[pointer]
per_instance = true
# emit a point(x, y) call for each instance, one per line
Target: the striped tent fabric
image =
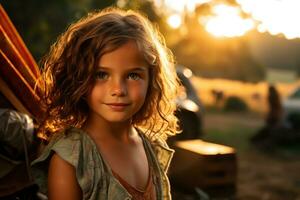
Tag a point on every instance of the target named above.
point(18, 70)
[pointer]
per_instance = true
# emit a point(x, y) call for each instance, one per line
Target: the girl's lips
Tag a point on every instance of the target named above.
point(117, 106)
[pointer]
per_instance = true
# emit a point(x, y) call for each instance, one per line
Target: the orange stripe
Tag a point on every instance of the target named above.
point(12, 33)
point(10, 51)
point(20, 86)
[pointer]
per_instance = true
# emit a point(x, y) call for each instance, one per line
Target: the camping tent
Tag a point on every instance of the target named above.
point(18, 70)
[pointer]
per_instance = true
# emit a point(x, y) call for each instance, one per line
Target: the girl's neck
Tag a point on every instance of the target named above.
point(107, 130)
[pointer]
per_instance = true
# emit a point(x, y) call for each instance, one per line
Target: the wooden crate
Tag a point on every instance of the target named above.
point(208, 166)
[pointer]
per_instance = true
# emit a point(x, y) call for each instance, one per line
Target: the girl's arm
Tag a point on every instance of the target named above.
point(62, 182)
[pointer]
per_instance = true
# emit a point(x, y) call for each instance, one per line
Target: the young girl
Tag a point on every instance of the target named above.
point(110, 88)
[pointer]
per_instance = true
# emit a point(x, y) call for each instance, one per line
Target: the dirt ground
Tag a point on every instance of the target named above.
point(262, 175)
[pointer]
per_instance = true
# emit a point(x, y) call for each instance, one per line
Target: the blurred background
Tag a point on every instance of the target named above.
point(242, 60)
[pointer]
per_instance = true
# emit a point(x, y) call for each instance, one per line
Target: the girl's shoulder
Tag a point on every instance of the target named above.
point(65, 144)
point(70, 144)
point(74, 147)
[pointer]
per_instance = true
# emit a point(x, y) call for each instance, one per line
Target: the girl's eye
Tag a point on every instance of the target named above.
point(134, 76)
point(101, 75)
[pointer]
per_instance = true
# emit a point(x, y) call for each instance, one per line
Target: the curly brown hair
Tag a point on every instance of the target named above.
point(69, 69)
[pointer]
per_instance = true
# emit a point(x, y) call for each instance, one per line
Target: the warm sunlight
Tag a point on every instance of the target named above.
point(227, 22)
point(204, 148)
point(174, 21)
point(273, 16)
point(180, 5)
point(276, 17)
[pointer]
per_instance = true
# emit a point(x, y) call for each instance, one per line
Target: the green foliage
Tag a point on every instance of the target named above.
point(41, 22)
point(234, 103)
point(144, 6)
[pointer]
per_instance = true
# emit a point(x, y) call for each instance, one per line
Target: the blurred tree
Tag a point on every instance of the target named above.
point(40, 22)
point(211, 57)
point(144, 6)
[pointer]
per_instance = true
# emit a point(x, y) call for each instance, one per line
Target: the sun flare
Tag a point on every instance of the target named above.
point(275, 17)
point(227, 22)
point(272, 16)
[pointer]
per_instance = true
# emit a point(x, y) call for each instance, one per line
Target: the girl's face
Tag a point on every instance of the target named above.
point(121, 85)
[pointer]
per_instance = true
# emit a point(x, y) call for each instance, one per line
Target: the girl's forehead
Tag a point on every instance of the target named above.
point(127, 54)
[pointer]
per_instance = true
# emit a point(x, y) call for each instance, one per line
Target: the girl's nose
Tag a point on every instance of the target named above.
point(119, 88)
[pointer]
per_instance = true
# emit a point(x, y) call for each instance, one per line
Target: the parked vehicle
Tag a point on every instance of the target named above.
point(291, 106)
point(190, 109)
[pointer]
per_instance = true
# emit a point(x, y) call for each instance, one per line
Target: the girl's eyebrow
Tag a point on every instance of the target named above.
point(141, 68)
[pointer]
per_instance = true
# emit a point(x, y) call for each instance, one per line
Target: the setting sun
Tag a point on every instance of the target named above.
point(227, 22)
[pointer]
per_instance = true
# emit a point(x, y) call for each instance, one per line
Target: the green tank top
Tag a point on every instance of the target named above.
point(94, 176)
